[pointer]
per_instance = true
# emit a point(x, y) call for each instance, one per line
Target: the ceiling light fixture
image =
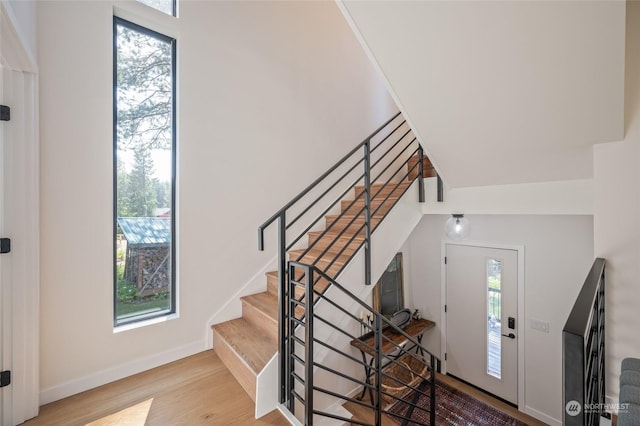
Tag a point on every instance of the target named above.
point(457, 227)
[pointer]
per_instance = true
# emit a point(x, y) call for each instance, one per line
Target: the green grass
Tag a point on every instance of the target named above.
point(142, 306)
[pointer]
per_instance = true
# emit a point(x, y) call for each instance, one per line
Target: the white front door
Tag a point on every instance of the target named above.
point(481, 318)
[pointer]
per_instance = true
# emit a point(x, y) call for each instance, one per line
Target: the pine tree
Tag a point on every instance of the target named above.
point(142, 200)
point(144, 92)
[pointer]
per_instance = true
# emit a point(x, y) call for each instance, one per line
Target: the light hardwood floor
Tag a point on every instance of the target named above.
point(198, 390)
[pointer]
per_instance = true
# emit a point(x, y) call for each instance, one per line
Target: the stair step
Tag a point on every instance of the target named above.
point(377, 209)
point(321, 262)
point(272, 282)
point(261, 310)
point(337, 223)
point(427, 168)
point(357, 205)
point(244, 349)
point(272, 285)
point(380, 189)
point(334, 236)
point(336, 242)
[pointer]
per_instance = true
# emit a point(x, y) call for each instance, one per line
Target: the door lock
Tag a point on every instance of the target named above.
point(510, 335)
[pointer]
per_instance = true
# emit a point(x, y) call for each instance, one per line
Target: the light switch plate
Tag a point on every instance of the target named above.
point(539, 325)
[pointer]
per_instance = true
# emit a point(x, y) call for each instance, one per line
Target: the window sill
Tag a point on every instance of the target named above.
point(144, 323)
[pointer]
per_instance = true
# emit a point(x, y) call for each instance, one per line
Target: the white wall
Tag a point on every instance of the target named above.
point(558, 256)
point(617, 208)
point(561, 197)
point(502, 92)
point(270, 95)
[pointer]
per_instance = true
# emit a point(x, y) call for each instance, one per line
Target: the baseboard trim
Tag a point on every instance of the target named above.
point(542, 416)
point(121, 371)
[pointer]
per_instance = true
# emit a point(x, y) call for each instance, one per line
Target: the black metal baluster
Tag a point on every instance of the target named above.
point(289, 363)
point(367, 212)
point(440, 190)
point(282, 304)
point(378, 369)
point(308, 356)
point(432, 414)
point(420, 174)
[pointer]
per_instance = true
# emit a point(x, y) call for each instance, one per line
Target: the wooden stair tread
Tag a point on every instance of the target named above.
point(333, 235)
point(379, 189)
point(331, 271)
point(265, 302)
point(376, 209)
point(338, 223)
point(330, 264)
point(359, 218)
point(252, 345)
point(375, 202)
point(347, 246)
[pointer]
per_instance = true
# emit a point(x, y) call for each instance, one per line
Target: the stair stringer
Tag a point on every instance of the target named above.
point(267, 388)
point(387, 239)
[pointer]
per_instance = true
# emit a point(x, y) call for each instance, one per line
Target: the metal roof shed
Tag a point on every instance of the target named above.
point(146, 231)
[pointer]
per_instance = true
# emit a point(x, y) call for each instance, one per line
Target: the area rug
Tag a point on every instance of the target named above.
point(453, 408)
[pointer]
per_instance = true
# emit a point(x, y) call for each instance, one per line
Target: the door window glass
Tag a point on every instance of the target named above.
point(494, 318)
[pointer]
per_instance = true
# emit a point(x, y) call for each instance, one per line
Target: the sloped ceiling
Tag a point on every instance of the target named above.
point(502, 92)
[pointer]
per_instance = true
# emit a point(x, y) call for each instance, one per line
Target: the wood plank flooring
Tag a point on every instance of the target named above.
point(198, 390)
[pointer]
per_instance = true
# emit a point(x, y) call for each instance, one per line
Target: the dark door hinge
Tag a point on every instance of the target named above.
point(445, 356)
point(445, 309)
point(5, 245)
point(445, 260)
point(5, 378)
point(5, 113)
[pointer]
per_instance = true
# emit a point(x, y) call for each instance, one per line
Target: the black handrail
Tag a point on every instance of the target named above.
point(390, 136)
point(377, 368)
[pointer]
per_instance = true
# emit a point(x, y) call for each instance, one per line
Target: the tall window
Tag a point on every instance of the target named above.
point(144, 173)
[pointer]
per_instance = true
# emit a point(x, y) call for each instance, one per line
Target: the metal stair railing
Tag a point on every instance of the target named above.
point(381, 159)
point(583, 352)
point(312, 375)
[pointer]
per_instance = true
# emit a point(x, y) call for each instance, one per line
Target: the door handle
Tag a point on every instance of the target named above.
point(510, 335)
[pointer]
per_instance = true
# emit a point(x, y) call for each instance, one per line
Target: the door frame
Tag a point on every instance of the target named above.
point(519, 248)
point(21, 301)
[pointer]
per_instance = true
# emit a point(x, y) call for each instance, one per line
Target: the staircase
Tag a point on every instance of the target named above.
point(325, 232)
point(246, 344)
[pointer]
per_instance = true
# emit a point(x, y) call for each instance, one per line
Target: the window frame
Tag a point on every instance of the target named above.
point(174, 7)
point(173, 244)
